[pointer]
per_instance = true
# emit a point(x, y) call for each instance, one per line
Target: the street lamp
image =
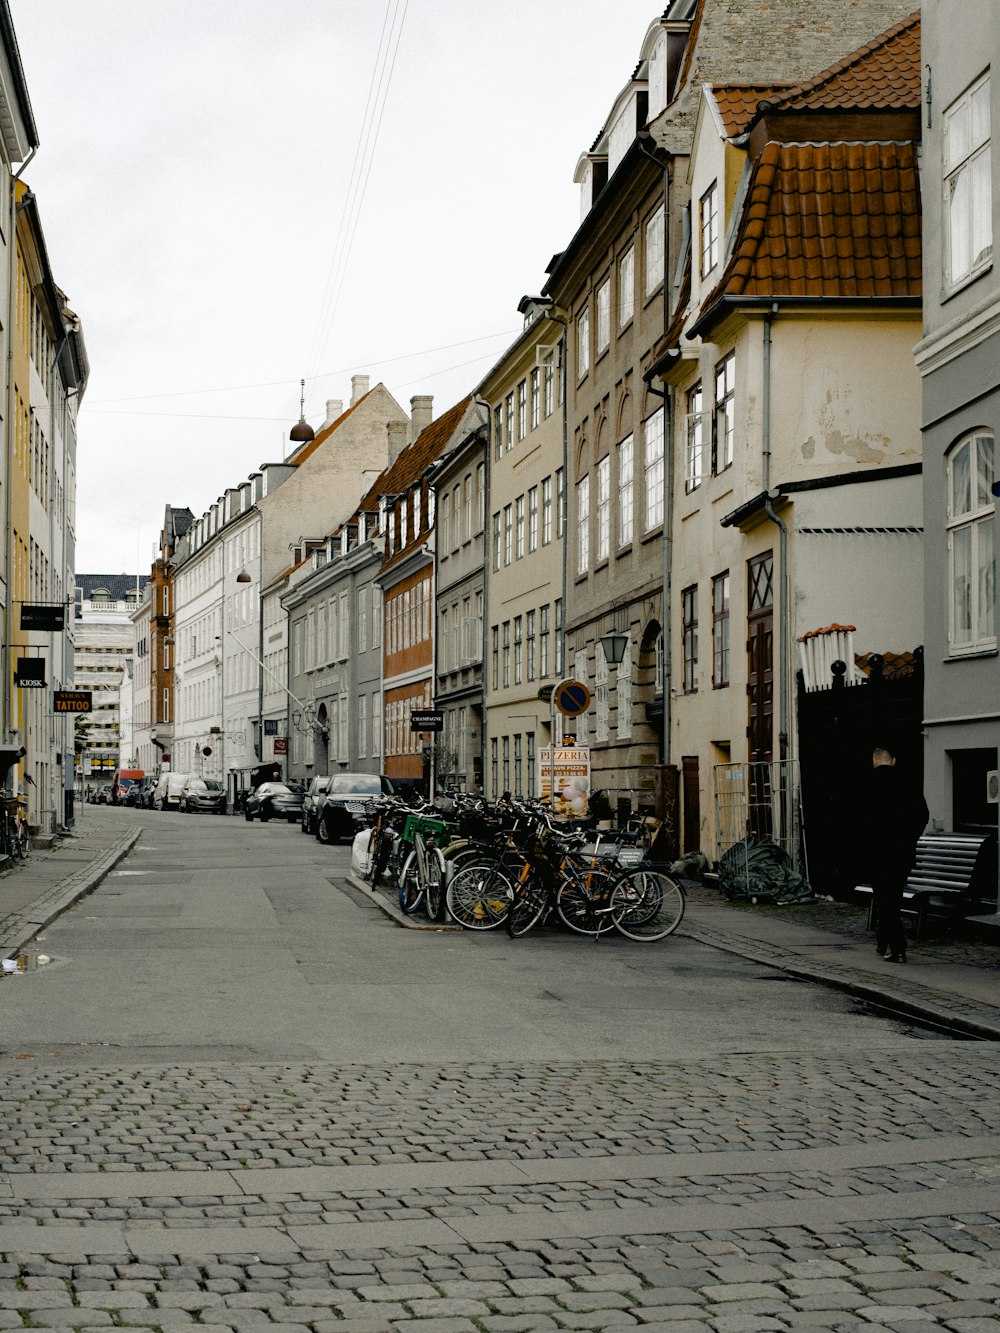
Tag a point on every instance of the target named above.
point(613, 646)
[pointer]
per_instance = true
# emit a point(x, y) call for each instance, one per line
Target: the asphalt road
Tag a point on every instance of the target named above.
point(219, 939)
point(239, 1095)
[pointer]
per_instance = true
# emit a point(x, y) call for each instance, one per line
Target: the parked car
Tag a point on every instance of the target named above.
point(202, 794)
point(345, 802)
point(144, 796)
point(312, 800)
point(167, 795)
point(274, 800)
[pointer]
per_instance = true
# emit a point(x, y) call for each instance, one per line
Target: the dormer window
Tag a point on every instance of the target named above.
point(708, 214)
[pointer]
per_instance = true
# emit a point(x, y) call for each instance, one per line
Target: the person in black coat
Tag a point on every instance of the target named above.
point(895, 816)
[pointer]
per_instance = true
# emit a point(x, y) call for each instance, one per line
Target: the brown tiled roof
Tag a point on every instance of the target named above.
point(416, 458)
point(882, 75)
point(828, 220)
point(737, 103)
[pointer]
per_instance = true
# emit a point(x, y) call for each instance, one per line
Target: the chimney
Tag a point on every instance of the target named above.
point(421, 413)
point(334, 409)
point(397, 439)
point(359, 387)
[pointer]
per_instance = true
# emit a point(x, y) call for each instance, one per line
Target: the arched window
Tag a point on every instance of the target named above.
point(972, 544)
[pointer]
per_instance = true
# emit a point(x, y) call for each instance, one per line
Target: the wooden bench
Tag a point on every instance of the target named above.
point(946, 876)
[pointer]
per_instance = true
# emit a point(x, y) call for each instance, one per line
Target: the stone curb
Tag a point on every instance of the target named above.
point(44, 910)
point(963, 1017)
point(389, 908)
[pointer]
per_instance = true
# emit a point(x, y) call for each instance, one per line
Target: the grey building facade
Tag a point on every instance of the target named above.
point(959, 361)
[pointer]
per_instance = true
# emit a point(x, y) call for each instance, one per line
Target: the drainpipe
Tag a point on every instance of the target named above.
point(667, 541)
point(487, 474)
point(784, 619)
point(11, 430)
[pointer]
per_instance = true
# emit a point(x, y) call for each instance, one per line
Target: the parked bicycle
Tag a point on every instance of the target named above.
point(14, 826)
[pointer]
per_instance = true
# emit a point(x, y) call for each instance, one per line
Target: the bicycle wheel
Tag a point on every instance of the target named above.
point(411, 891)
point(479, 896)
point(583, 901)
point(21, 840)
point(646, 904)
point(529, 904)
point(434, 891)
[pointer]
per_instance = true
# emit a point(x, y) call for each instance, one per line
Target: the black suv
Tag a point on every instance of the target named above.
point(345, 801)
point(312, 801)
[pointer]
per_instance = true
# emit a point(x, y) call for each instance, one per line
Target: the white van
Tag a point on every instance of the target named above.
point(167, 794)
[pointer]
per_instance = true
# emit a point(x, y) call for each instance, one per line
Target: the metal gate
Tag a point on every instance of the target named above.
point(757, 805)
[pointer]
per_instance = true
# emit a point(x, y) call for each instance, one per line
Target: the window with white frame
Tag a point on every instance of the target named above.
point(518, 649)
point(694, 452)
point(583, 525)
point(720, 631)
point(626, 499)
point(604, 316)
point(529, 645)
point(549, 383)
point(654, 251)
point(652, 429)
point(508, 534)
point(624, 683)
point(376, 725)
point(708, 216)
point(467, 505)
point(480, 496)
point(506, 654)
point(519, 528)
point(509, 423)
point(543, 642)
point(626, 287)
point(603, 509)
point(560, 503)
point(497, 432)
point(456, 517)
point(559, 636)
point(362, 619)
point(968, 183)
point(362, 726)
point(546, 511)
point(689, 638)
point(583, 343)
point(376, 616)
point(496, 542)
point(536, 398)
point(725, 412)
point(522, 409)
point(533, 519)
point(972, 544)
point(600, 695)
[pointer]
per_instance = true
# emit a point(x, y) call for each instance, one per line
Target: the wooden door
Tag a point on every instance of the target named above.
point(692, 803)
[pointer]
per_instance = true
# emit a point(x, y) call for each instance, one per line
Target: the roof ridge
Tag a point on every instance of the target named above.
point(845, 63)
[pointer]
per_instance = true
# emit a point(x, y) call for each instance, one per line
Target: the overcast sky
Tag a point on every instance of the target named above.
point(194, 184)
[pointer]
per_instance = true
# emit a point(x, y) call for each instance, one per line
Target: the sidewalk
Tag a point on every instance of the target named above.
point(948, 979)
point(34, 892)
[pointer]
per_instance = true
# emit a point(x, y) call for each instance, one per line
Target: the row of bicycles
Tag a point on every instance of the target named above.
point(509, 865)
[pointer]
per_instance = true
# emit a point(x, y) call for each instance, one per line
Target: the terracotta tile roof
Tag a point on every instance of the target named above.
point(828, 220)
point(737, 103)
point(416, 458)
point(882, 75)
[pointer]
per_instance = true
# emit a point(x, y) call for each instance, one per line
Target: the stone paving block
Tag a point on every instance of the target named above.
point(539, 1286)
point(608, 1281)
point(597, 1319)
point(405, 1325)
point(891, 1315)
point(444, 1308)
point(594, 1300)
point(67, 1316)
point(112, 1300)
point(518, 1324)
point(740, 1291)
point(399, 1291)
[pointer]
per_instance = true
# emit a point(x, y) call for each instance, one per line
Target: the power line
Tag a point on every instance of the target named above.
point(326, 374)
point(364, 155)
